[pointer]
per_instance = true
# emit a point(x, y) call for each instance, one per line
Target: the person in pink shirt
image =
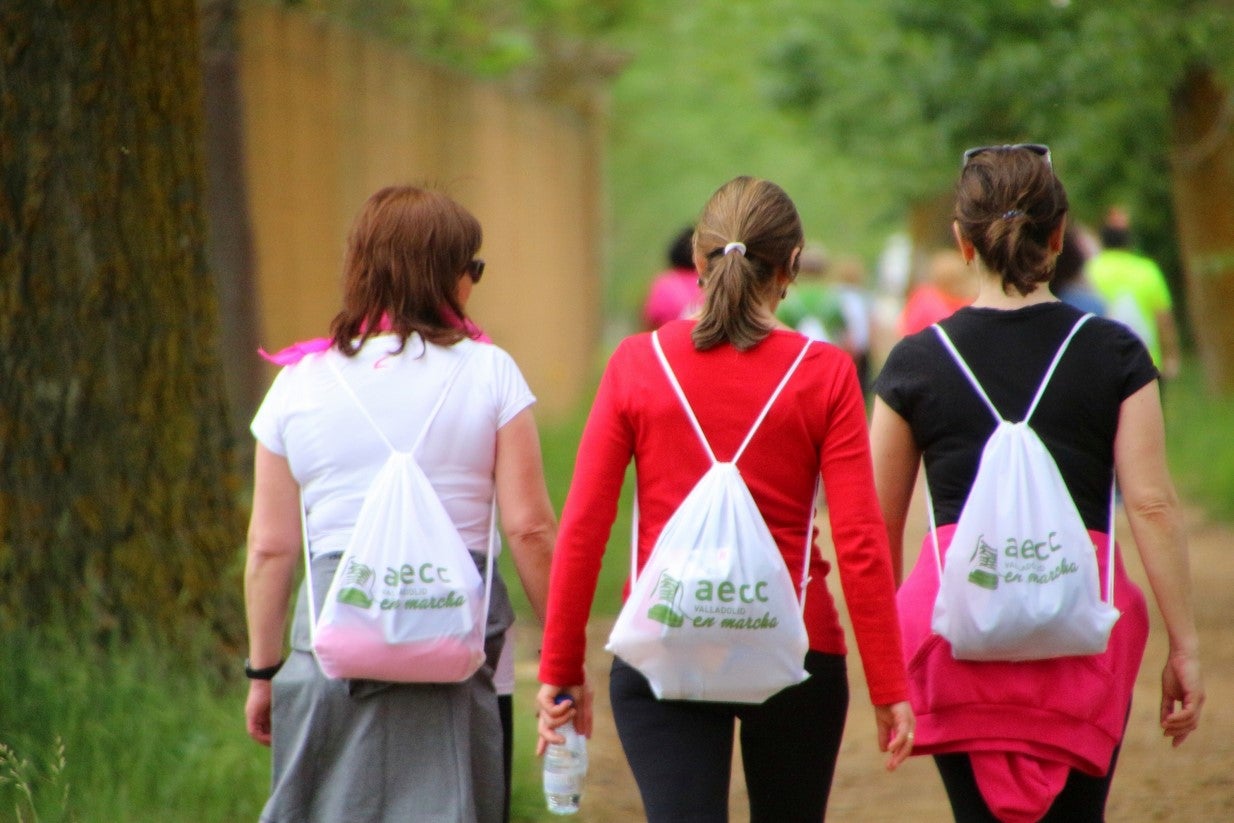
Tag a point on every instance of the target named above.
point(949, 286)
point(728, 362)
point(1032, 740)
point(675, 292)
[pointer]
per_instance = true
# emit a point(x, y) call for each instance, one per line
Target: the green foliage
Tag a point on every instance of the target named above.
point(487, 37)
point(913, 84)
point(1201, 451)
point(694, 108)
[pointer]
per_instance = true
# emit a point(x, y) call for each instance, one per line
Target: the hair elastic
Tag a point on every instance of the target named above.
point(1007, 215)
point(740, 248)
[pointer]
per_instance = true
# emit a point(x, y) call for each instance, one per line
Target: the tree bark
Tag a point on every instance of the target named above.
point(230, 245)
point(117, 488)
point(1203, 181)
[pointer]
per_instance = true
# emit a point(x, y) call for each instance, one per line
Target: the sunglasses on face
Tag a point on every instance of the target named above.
point(1039, 149)
point(475, 270)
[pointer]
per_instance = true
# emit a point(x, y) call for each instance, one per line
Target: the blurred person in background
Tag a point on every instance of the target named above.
point(812, 305)
point(949, 285)
point(1070, 283)
point(857, 307)
point(675, 292)
point(1135, 292)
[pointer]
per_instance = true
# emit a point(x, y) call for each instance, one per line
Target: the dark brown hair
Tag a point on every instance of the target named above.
point(1008, 202)
point(404, 256)
point(760, 215)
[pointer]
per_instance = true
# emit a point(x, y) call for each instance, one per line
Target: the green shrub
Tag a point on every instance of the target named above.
point(1200, 448)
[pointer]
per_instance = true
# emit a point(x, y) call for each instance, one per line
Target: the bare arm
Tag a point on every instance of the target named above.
point(527, 515)
point(1156, 519)
point(896, 460)
point(274, 544)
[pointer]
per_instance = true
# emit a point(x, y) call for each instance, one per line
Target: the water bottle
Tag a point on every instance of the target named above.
point(565, 766)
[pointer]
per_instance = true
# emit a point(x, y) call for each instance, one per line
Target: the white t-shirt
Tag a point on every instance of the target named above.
point(334, 453)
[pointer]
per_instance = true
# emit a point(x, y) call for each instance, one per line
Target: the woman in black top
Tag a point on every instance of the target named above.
point(1037, 740)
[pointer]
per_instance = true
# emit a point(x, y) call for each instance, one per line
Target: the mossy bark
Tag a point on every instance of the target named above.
point(1202, 110)
point(118, 485)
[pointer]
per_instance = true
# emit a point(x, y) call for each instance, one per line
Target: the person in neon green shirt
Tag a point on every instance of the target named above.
point(812, 305)
point(1135, 292)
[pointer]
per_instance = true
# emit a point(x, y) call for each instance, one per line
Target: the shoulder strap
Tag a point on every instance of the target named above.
point(972, 378)
point(805, 571)
point(685, 404)
point(492, 528)
point(432, 415)
point(1109, 587)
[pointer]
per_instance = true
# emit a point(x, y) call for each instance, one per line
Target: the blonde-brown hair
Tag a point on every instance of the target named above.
point(404, 256)
point(762, 217)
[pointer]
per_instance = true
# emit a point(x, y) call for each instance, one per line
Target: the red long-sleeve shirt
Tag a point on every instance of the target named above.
point(817, 424)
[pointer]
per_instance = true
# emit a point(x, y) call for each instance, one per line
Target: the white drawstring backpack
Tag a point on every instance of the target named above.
point(714, 615)
point(407, 604)
point(1021, 580)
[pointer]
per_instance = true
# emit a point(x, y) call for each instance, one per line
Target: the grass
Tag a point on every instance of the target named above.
point(121, 732)
point(1200, 449)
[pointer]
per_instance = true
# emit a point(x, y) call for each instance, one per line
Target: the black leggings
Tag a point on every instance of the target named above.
point(505, 708)
point(681, 751)
point(1082, 799)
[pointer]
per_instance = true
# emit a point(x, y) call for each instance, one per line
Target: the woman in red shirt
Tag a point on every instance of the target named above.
point(728, 363)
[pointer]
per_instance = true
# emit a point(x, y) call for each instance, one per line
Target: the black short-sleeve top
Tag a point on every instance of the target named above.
point(1009, 352)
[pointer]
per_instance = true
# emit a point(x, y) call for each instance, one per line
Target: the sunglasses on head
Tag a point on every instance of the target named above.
point(475, 270)
point(1039, 149)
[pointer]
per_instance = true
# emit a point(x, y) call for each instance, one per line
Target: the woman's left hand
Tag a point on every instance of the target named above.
point(257, 711)
point(895, 732)
point(1182, 696)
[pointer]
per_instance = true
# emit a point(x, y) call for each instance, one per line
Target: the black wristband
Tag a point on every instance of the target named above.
point(267, 673)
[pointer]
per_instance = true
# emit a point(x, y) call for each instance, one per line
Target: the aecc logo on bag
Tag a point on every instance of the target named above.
point(710, 600)
point(405, 587)
point(1026, 563)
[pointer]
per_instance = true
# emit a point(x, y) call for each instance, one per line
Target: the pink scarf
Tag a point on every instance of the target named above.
point(297, 351)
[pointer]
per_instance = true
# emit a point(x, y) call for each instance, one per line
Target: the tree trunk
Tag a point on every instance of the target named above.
point(117, 489)
point(230, 236)
point(1203, 182)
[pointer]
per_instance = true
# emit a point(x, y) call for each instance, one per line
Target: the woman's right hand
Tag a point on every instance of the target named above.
point(1182, 696)
point(896, 726)
point(551, 714)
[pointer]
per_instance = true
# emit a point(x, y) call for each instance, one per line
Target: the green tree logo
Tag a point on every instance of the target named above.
point(985, 565)
point(356, 584)
point(667, 610)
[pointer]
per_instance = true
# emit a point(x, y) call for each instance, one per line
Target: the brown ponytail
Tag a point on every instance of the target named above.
point(760, 216)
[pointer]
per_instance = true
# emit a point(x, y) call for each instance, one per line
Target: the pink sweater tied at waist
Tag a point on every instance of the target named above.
point(1024, 724)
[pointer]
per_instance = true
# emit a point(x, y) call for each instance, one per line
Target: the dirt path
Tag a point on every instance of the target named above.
point(1191, 784)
